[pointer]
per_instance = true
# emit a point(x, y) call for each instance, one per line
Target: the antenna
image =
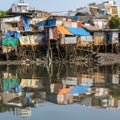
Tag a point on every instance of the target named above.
point(22, 1)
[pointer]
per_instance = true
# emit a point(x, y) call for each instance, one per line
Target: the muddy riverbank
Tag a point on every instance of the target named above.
point(108, 58)
point(101, 58)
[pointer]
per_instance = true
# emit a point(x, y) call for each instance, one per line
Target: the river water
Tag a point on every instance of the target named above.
point(60, 91)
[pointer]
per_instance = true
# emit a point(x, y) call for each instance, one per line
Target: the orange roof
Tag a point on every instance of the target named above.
point(63, 30)
point(65, 90)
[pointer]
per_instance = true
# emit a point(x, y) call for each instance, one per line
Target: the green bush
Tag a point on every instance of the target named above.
point(115, 22)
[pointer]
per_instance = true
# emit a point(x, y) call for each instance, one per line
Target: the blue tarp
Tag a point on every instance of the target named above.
point(42, 23)
point(8, 34)
point(18, 88)
point(74, 17)
point(27, 98)
point(26, 23)
point(51, 22)
point(78, 31)
point(79, 89)
point(10, 39)
point(14, 35)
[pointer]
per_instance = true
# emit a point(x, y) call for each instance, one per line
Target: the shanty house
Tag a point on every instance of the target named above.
point(113, 36)
point(99, 36)
point(15, 23)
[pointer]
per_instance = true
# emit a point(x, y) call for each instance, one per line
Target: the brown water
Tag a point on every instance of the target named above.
point(43, 92)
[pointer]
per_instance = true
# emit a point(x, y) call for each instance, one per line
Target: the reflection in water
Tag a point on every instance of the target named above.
point(23, 87)
point(24, 112)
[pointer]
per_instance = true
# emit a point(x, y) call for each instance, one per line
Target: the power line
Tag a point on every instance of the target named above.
point(58, 11)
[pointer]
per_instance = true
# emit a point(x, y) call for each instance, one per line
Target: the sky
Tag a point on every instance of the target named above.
point(50, 111)
point(55, 6)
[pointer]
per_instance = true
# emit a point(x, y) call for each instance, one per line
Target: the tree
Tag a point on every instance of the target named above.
point(3, 13)
point(114, 22)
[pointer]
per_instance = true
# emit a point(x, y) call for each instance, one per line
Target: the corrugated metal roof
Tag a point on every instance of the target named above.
point(100, 6)
point(79, 31)
point(63, 30)
point(79, 89)
point(91, 28)
point(65, 90)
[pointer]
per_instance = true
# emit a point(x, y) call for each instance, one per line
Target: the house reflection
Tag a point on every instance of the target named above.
point(21, 94)
point(108, 102)
point(85, 89)
point(24, 112)
point(86, 96)
point(25, 87)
